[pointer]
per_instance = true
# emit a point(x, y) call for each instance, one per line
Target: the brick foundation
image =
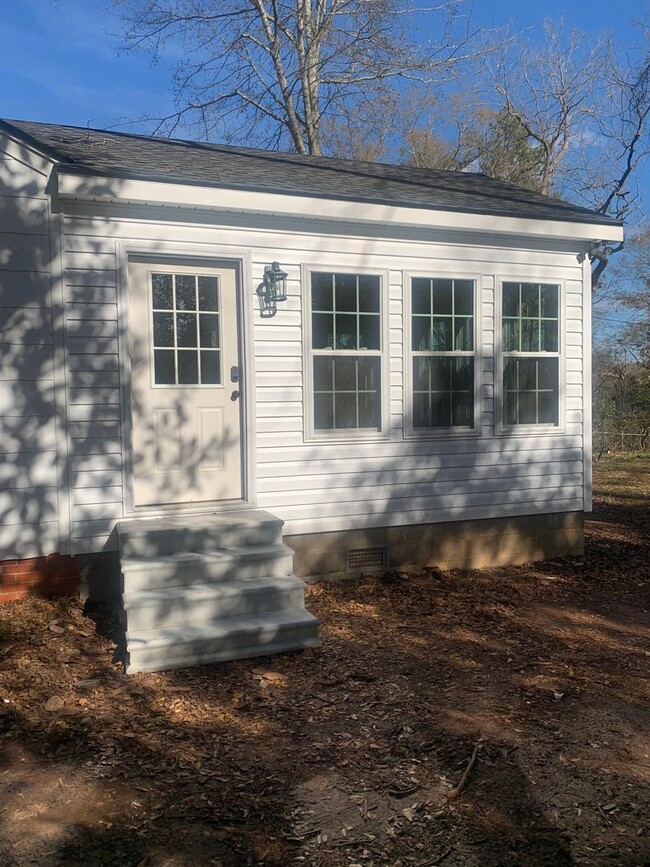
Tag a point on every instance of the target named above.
point(54, 575)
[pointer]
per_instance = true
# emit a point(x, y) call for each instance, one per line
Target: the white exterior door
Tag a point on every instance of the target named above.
point(185, 392)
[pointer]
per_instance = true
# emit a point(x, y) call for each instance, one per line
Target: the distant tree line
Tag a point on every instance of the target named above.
point(622, 363)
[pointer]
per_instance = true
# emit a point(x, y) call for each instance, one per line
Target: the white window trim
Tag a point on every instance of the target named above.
point(310, 434)
point(500, 428)
point(443, 432)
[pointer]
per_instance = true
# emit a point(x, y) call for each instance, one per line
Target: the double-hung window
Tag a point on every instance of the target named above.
point(346, 352)
point(443, 375)
point(530, 346)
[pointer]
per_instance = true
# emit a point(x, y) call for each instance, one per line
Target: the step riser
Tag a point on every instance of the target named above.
point(177, 575)
point(230, 647)
point(161, 543)
point(209, 587)
point(248, 602)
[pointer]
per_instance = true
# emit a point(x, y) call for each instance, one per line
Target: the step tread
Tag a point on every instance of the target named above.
point(220, 555)
point(202, 521)
point(168, 636)
point(206, 591)
point(192, 659)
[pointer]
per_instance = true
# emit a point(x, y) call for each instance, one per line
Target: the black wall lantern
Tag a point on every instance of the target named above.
point(272, 289)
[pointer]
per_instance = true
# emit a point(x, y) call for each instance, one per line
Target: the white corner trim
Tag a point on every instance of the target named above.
point(587, 409)
point(62, 420)
point(103, 189)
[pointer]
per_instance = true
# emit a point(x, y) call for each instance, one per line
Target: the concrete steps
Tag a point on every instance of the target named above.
point(222, 640)
point(209, 588)
point(176, 606)
point(187, 568)
point(158, 537)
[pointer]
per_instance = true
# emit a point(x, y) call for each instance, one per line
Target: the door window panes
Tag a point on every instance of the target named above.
point(186, 329)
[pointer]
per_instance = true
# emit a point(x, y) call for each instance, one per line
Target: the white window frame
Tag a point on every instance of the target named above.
point(500, 356)
point(442, 432)
point(346, 434)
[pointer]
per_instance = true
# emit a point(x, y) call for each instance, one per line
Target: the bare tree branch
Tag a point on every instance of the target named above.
point(272, 66)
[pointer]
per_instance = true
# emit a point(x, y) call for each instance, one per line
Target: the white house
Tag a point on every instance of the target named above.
point(422, 396)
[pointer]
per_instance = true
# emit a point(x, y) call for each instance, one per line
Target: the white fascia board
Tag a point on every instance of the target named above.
point(162, 194)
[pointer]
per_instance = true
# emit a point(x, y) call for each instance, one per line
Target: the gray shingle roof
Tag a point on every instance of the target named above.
point(170, 160)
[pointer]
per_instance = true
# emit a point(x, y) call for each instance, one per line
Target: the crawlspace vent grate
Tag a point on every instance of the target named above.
point(366, 558)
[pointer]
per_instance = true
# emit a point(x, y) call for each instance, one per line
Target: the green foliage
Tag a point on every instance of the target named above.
point(506, 152)
point(496, 143)
point(621, 398)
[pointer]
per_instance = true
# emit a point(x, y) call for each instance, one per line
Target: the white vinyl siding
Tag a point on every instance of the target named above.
point(28, 415)
point(94, 397)
point(321, 485)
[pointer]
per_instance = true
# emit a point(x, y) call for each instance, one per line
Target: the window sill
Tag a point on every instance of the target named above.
point(528, 429)
point(348, 436)
point(443, 433)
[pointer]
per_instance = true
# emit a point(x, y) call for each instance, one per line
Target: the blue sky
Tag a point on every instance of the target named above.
point(60, 63)
point(590, 16)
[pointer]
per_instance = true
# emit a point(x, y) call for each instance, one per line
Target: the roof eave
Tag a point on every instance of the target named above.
point(558, 214)
point(86, 186)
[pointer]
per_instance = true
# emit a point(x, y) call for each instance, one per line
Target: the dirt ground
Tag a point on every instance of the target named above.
point(348, 755)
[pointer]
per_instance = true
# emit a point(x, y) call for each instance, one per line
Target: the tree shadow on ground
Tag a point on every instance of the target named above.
point(348, 753)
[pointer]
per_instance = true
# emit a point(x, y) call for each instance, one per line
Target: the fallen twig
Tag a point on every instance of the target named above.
point(321, 698)
point(455, 792)
point(432, 862)
point(402, 793)
point(606, 818)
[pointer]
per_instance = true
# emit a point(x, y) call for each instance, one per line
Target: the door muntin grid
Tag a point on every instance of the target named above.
point(185, 329)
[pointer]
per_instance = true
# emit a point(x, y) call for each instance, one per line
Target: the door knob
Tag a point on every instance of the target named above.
point(234, 395)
